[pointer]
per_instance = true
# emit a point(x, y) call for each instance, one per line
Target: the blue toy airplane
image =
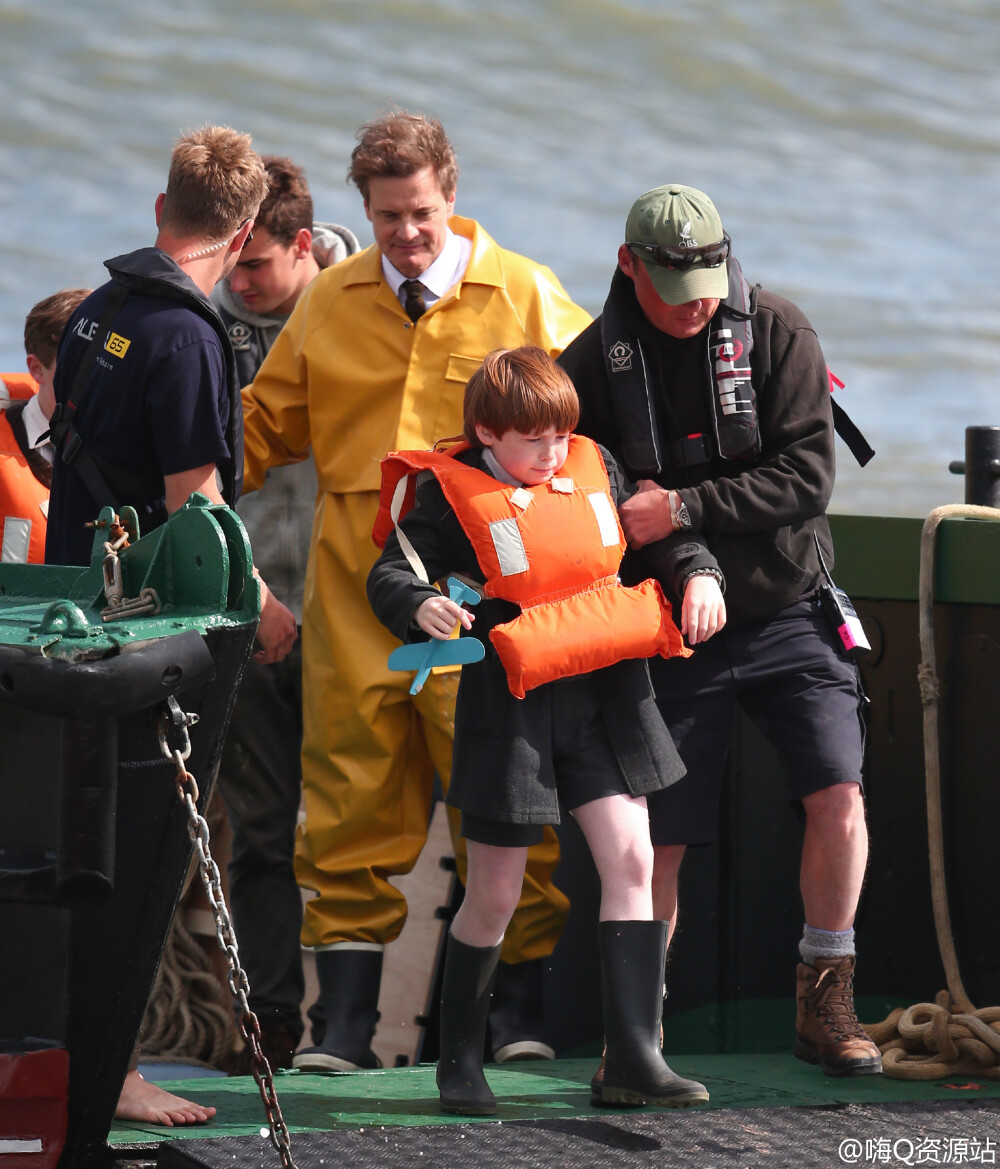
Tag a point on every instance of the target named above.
point(422, 656)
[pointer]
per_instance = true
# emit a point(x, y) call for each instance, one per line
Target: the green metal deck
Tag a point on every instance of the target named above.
point(543, 1090)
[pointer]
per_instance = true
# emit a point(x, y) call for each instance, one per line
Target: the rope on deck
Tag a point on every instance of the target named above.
point(930, 1041)
point(948, 1037)
point(189, 1017)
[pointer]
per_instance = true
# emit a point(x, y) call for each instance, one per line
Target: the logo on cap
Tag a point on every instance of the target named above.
point(684, 240)
point(620, 356)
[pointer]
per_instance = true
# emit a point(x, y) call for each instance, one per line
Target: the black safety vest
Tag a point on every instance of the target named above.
point(733, 399)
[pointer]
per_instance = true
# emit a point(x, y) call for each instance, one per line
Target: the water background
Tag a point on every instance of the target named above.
point(851, 146)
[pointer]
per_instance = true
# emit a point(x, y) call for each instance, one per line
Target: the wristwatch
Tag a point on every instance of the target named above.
point(680, 517)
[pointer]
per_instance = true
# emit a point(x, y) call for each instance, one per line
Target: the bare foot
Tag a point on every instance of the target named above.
point(152, 1104)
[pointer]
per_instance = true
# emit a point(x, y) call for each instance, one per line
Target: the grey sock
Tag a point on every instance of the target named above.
point(825, 944)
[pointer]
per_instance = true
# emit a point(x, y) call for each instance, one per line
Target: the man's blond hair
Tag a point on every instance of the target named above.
point(216, 182)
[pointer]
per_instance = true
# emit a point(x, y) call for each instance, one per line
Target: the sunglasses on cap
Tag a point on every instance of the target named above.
point(680, 259)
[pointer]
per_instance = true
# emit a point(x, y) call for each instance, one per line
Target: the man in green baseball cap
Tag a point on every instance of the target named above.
point(669, 377)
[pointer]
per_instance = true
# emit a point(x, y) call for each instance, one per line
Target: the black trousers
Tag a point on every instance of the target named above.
point(260, 777)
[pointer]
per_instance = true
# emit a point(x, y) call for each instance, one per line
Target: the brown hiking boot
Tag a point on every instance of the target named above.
point(827, 1030)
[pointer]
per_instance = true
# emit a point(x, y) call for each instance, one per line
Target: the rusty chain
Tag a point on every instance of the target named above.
point(249, 1027)
point(120, 607)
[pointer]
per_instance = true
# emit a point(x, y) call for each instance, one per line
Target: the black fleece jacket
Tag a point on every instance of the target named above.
point(757, 515)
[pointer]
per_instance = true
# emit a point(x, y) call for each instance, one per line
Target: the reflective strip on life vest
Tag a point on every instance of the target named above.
point(16, 541)
point(509, 547)
point(606, 521)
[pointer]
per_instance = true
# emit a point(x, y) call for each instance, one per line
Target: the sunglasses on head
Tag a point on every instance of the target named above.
point(680, 259)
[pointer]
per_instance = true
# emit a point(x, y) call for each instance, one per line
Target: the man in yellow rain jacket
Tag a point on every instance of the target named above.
point(375, 358)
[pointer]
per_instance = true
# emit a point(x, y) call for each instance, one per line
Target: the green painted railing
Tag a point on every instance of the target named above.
point(878, 557)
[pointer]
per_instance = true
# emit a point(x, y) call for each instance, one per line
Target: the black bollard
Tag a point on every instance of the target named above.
point(981, 466)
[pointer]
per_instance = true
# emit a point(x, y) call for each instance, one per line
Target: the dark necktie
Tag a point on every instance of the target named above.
point(414, 306)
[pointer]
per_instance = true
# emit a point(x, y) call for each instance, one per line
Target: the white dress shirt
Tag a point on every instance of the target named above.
point(444, 273)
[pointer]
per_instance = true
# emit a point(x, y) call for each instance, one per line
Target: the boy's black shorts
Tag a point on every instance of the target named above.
point(788, 676)
point(585, 764)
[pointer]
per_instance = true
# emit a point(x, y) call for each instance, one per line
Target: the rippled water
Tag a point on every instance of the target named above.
point(852, 147)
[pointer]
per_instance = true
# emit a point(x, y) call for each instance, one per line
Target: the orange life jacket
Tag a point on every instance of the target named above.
point(555, 550)
point(24, 504)
point(17, 386)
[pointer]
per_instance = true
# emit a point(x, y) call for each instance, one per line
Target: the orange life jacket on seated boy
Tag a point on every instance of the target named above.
point(554, 550)
point(24, 502)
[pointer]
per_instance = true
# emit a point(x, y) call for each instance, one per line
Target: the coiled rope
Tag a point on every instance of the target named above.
point(948, 1037)
point(189, 1017)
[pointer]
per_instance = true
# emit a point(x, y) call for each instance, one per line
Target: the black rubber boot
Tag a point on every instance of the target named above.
point(465, 1003)
point(517, 1027)
point(349, 983)
point(633, 954)
point(597, 1079)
